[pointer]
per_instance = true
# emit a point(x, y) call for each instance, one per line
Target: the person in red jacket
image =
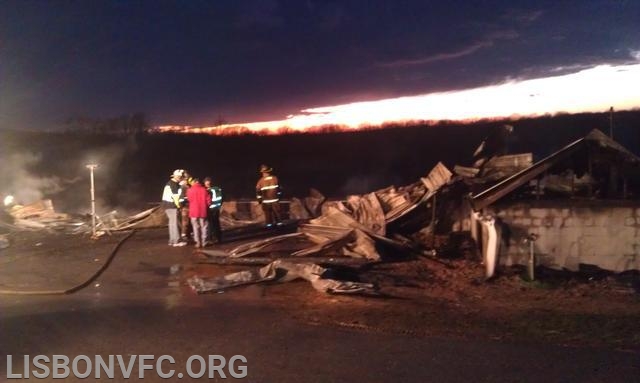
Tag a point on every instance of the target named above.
point(199, 201)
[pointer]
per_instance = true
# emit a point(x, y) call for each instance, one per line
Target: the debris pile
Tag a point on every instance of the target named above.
point(444, 213)
point(41, 215)
point(497, 168)
point(459, 206)
point(350, 232)
point(282, 271)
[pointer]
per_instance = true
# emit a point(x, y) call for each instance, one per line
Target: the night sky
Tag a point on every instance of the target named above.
point(191, 62)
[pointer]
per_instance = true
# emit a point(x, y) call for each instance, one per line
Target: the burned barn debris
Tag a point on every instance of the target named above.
point(582, 205)
point(352, 232)
point(283, 271)
point(41, 215)
point(35, 216)
point(577, 206)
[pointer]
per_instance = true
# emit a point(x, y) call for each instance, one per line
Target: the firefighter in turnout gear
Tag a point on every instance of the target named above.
point(215, 193)
point(268, 194)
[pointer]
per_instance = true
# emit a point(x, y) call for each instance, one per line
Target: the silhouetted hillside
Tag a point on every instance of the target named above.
point(134, 169)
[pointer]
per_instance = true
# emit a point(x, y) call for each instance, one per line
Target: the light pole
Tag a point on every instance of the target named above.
point(611, 122)
point(91, 167)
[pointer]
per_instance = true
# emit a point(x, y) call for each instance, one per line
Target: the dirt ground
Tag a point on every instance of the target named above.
point(450, 298)
point(418, 296)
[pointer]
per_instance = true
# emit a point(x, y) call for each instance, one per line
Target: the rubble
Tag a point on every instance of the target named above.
point(354, 228)
point(282, 271)
point(217, 259)
point(415, 218)
point(579, 202)
point(411, 219)
point(153, 217)
point(342, 233)
point(504, 166)
point(305, 208)
point(253, 247)
point(41, 210)
point(227, 221)
point(588, 146)
point(41, 215)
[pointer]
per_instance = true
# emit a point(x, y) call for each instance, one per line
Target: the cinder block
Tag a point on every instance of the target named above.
point(522, 221)
point(602, 220)
point(537, 222)
point(538, 213)
point(517, 212)
point(593, 231)
point(629, 221)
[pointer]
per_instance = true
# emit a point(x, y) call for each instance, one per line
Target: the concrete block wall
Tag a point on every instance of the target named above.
point(600, 233)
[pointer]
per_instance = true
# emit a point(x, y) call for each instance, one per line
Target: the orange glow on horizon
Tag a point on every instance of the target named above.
point(590, 90)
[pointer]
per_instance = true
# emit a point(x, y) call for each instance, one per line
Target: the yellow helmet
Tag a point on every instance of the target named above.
point(265, 169)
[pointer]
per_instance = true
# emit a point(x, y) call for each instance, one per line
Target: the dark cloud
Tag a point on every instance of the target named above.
point(522, 16)
point(191, 62)
point(486, 42)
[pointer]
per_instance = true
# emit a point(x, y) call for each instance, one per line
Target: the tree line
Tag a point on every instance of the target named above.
point(125, 124)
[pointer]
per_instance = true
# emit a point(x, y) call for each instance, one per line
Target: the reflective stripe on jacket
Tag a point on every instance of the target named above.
point(268, 189)
point(216, 197)
point(171, 194)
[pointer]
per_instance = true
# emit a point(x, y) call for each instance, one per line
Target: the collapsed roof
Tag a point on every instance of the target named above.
point(595, 164)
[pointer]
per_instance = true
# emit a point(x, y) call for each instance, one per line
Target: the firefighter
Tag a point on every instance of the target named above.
point(170, 204)
point(268, 194)
point(215, 194)
point(185, 222)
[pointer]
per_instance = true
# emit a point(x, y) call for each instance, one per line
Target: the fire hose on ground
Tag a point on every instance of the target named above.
point(78, 287)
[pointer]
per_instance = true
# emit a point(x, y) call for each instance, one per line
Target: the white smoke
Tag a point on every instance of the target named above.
point(23, 185)
point(109, 159)
point(29, 177)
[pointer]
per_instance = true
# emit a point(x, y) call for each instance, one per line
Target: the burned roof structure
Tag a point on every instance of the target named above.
point(579, 206)
point(592, 166)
